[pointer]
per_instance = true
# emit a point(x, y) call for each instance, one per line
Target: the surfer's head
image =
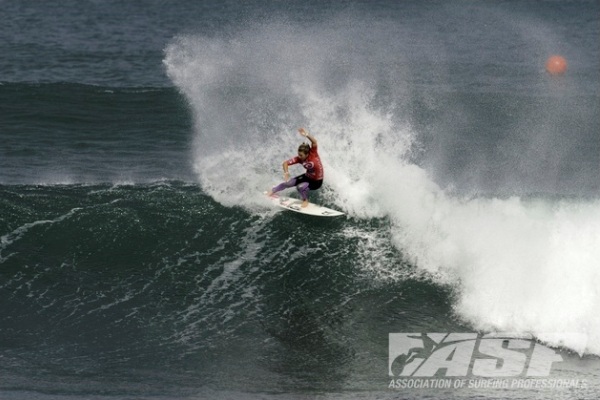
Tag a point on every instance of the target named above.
point(303, 150)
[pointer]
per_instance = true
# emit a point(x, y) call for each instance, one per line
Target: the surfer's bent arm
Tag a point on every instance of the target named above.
point(304, 133)
point(286, 172)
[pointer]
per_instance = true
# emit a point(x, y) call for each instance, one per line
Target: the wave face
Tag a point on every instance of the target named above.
point(157, 290)
point(522, 257)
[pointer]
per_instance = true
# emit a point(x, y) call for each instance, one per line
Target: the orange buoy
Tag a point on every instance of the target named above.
point(556, 65)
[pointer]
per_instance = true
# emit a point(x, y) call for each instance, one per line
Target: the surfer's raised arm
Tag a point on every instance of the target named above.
point(304, 133)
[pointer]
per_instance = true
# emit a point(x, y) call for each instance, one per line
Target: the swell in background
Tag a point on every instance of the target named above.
point(416, 117)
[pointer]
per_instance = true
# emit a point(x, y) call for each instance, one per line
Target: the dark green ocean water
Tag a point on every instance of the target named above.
point(139, 260)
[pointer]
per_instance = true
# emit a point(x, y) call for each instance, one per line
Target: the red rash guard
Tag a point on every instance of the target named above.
point(314, 168)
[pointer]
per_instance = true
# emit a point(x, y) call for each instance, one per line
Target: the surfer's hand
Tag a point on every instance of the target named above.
point(286, 176)
point(303, 132)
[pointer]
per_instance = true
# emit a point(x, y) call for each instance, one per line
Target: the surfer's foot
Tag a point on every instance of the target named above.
point(304, 203)
point(270, 193)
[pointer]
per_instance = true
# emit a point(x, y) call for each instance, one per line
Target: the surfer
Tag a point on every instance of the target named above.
point(309, 158)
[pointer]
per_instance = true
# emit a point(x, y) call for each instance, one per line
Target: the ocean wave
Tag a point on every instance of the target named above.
point(516, 265)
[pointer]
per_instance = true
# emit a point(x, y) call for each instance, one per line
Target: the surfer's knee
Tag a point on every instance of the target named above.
point(303, 189)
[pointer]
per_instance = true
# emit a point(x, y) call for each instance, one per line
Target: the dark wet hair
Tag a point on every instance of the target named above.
point(304, 148)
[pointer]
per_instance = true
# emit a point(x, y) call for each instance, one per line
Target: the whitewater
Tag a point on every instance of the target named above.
point(518, 260)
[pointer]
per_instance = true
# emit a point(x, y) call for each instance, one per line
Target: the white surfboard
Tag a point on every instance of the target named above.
point(291, 204)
